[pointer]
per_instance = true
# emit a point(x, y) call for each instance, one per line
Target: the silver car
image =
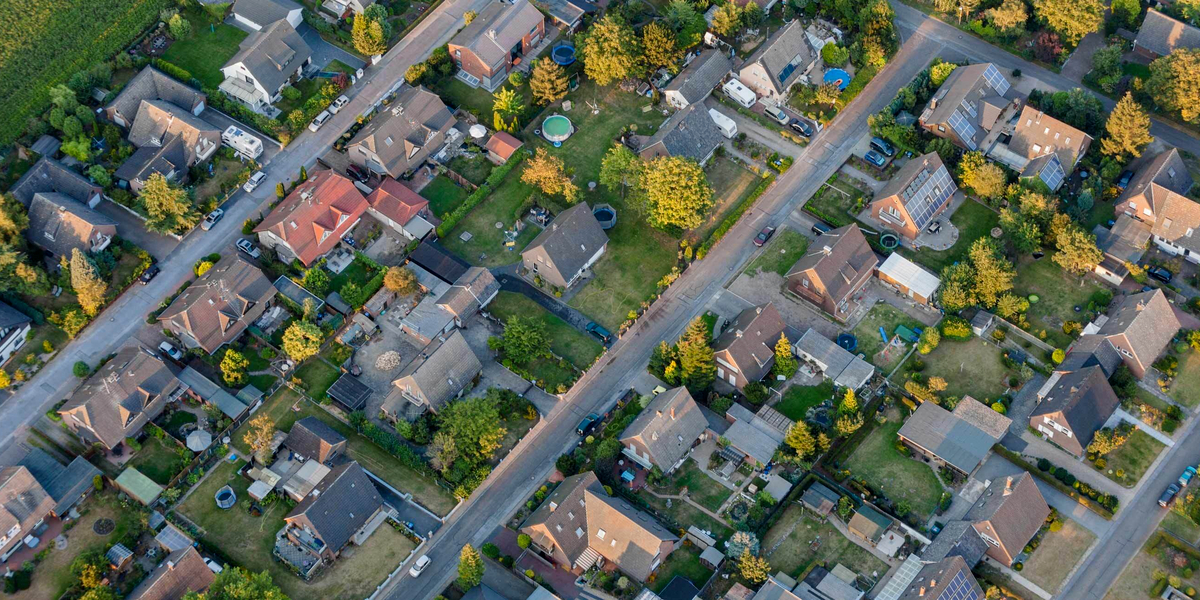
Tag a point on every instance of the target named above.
point(319, 121)
point(254, 181)
point(338, 104)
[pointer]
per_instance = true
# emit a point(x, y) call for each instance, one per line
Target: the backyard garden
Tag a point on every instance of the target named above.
point(870, 343)
point(206, 48)
point(970, 367)
point(578, 348)
point(1060, 298)
point(878, 463)
point(443, 195)
point(1129, 462)
point(797, 399)
point(683, 562)
point(1057, 554)
point(799, 540)
point(973, 220)
point(778, 256)
point(838, 202)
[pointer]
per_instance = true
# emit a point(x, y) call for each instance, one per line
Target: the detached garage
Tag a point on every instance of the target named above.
point(909, 279)
point(257, 14)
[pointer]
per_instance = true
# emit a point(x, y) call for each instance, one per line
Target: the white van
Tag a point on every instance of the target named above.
point(739, 93)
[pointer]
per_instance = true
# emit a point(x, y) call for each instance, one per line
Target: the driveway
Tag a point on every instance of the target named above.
point(761, 288)
point(1080, 62)
point(477, 332)
point(424, 522)
point(997, 466)
point(755, 130)
point(132, 228)
point(323, 52)
point(513, 283)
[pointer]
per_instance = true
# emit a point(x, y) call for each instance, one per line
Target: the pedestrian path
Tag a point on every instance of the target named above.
point(1017, 577)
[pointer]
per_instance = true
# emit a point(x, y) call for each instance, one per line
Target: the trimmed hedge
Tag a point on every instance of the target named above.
point(1092, 503)
point(733, 217)
point(956, 328)
point(477, 197)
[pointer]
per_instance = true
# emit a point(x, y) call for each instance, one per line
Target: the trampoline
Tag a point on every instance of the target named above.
point(838, 77)
point(848, 342)
point(563, 54)
point(889, 241)
point(226, 498)
point(606, 215)
point(556, 129)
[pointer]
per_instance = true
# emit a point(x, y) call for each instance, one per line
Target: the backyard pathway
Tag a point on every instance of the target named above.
point(862, 178)
point(1037, 447)
point(1121, 415)
point(683, 496)
point(1015, 576)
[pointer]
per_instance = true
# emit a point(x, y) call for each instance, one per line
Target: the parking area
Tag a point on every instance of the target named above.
point(494, 374)
point(223, 121)
point(132, 228)
point(323, 52)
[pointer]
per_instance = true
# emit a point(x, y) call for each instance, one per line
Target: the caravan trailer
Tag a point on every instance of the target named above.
point(239, 139)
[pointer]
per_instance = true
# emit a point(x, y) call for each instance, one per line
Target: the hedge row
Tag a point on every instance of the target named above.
point(733, 217)
point(478, 196)
point(392, 444)
point(1017, 459)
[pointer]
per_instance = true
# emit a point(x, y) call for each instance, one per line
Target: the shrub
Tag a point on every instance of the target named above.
point(490, 550)
point(523, 541)
point(81, 369)
point(956, 328)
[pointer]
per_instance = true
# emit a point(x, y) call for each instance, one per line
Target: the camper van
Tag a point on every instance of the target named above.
point(739, 93)
point(241, 140)
point(725, 124)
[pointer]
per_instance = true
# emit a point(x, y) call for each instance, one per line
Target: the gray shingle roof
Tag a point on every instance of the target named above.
point(787, 46)
point(158, 121)
point(465, 297)
point(349, 392)
point(943, 433)
point(405, 132)
point(212, 393)
point(1084, 398)
point(150, 84)
point(263, 12)
point(440, 372)
point(312, 438)
point(573, 237)
point(11, 317)
point(967, 85)
point(750, 340)
point(957, 538)
point(497, 28)
point(1155, 178)
point(1039, 134)
point(273, 54)
point(699, 78)
point(1147, 320)
point(49, 175)
point(949, 579)
point(169, 158)
point(60, 224)
point(667, 427)
point(1163, 35)
point(64, 484)
point(690, 133)
point(844, 368)
point(346, 500)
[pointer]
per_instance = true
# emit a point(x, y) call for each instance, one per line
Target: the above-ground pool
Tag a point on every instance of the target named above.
point(848, 342)
point(606, 215)
point(563, 54)
point(838, 77)
point(556, 129)
point(225, 497)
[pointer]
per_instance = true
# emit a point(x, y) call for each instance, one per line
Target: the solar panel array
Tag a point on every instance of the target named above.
point(927, 194)
point(1052, 174)
point(960, 589)
point(970, 106)
point(964, 129)
point(995, 79)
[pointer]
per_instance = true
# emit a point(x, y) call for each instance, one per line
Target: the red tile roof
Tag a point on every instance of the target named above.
point(395, 201)
point(313, 218)
point(503, 145)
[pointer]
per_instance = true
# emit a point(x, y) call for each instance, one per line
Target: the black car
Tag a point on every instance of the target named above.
point(820, 228)
point(588, 424)
point(148, 274)
point(883, 147)
point(358, 173)
point(763, 236)
point(875, 158)
point(1168, 495)
point(802, 127)
point(1160, 274)
point(599, 332)
point(1124, 179)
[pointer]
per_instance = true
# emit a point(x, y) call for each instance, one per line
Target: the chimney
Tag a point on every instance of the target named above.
point(553, 506)
point(170, 565)
point(932, 584)
point(492, 34)
point(672, 413)
point(826, 250)
point(739, 333)
point(1141, 306)
point(1008, 486)
point(758, 311)
point(922, 592)
point(658, 414)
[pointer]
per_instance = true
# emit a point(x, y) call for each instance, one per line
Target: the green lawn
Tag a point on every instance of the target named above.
point(478, 101)
point(1058, 293)
point(566, 341)
point(1185, 388)
point(443, 195)
point(1133, 458)
point(206, 50)
point(870, 344)
point(486, 247)
point(683, 562)
point(731, 183)
point(1182, 526)
point(784, 249)
point(799, 398)
point(158, 460)
point(424, 489)
point(704, 490)
point(357, 271)
point(970, 367)
point(797, 532)
point(836, 202)
point(316, 376)
point(1057, 554)
point(475, 169)
point(177, 420)
point(973, 221)
point(879, 463)
point(308, 88)
point(339, 66)
point(685, 514)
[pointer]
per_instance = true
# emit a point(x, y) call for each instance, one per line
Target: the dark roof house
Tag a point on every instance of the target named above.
point(152, 84)
point(696, 81)
point(399, 139)
point(336, 512)
point(66, 485)
point(1073, 406)
point(690, 133)
point(970, 103)
point(1139, 328)
point(745, 351)
point(949, 579)
point(785, 58)
point(959, 439)
point(220, 305)
point(1042, 147)
point(1161, 35)
point(472, 291)
point(266, 61)
point(442, 372)
point(59, 224)
point(665, 431)
point(567, 247)
point(48, 176)
point(440, 262)
point(312, 439)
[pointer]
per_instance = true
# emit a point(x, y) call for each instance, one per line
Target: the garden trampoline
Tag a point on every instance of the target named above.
point(563, 54)
point(225, 497)
point(606, 215)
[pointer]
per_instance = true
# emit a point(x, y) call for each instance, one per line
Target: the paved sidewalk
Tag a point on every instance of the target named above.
point(1121, 415)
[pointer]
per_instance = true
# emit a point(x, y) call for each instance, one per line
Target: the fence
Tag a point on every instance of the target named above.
point(459, 179)
point(1025, 335)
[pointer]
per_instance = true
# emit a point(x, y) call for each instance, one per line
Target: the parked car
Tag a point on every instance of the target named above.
point(319, 121)
point(149, 274)
point(1168, 496)
point(802, 127)
point(419, 566)
point(358, 173)
point(338, 104)
point(820, 228)
point(254, 181)
point(763, 236)
point(777, 113)
point(588, 424)
point(883, 147)
point(1187, 476)
point(213, 566)
point(211, 219)
point(249, 248)
point(171, 351)
point(875, 158)
point(1124, 179)
point(599, 332)
point(1160, 273)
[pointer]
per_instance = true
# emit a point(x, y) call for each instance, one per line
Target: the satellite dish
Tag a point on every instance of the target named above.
point(478, 131)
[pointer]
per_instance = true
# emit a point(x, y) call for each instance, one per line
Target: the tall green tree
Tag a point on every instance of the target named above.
point(728, 19)
point(610, 50)
point(301, 340)
point(89, 286)
point(507, 104)
point(470, 567)
point(475, 426)
point(233, 367)
point(993, 273)
point(785, 361)
point(236, 583)
point(1127, 130)
point(548, 82)
point(800, 439)
point(677, 192)
point(1174, 83)
point(370, 31)
point(169, 208)
point(621, 169)
point(697, 364)
point(524, 340)
point(1125, 13)
point(1010, 17)
point(659, 48)
point(1077, 251)
point(1072, 19)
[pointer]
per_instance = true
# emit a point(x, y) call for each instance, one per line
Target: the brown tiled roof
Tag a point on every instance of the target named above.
point(1037, 134)
point(1157, 177)
point(838, 259)
point(967, 84)
point(23, 502)
point(183, 571)
point(313, 218)
point(395, 201)
point(982, 416)
point(667, 427)
point(404, 134)
point(1147, 320)
point(1010, 511)
point(218, 307)
point(116, 401)
point(1177, 218)
point(503, 145)
point(950, 579)
point(750, 340)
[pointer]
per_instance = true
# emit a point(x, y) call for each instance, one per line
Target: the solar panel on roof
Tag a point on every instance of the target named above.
point(969, 106)
point(934, 191)
point(964, 129)
point(1052, 174)
point(959, 589)
point(995, 79)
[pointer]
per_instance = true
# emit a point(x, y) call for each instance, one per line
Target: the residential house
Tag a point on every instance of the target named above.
point(473, 291)
point(664, 432)
point(345, 507)
point(971, 102)
point(501, 146)
point(960, 439)
point(1123, 245)
point(58, 223)
point(169, 141)
point(126, 393)
point(836, 266)
point(908, 278)
point(256, 14)
point(345, 9)
point(14, 325)
point(919, 192)
point(1156, 196)
point(436, 267)
point(869, 524)
point(825, 584)
point(696, 81)
point(1007, 516)
point(785, 58)
point(67, 485)
point(313, 218)
point(496, 42)
point(48, 176)
point(152, 84)
point(567, 14)
point(753, 437)
point(579, 523)
point(443, 371)
point(267, 61)
point(401, 209)
point(397, 141)
point(452, 306)
point(1072, 407)
point(844, 368)
point(1137, 329)
point(1161, 35)
point(216, 308)
point(24, 505)
point(690, 133)
point(1042, 148)
point(745, 351)
point(567, 247)
point(206, 391)
point(312, 439)
point(168, 160)
point(949, 579)
point(181, 572)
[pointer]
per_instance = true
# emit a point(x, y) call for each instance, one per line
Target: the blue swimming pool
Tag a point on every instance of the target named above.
point(838, 77)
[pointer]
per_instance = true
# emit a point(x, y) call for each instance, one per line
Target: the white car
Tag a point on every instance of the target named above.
point(213, 566)
point(319, 121)
point(211, 219)
point(254, 181)
point(419, 566)
point(170, 350)
point(339, 104)
point(245, 246)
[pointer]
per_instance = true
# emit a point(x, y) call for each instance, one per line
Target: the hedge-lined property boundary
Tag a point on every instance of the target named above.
point(477, 197)
point(733, 217)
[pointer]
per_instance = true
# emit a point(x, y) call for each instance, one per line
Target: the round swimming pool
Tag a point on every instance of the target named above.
point(563, 54)
point(556, 129)
point(838, 77)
